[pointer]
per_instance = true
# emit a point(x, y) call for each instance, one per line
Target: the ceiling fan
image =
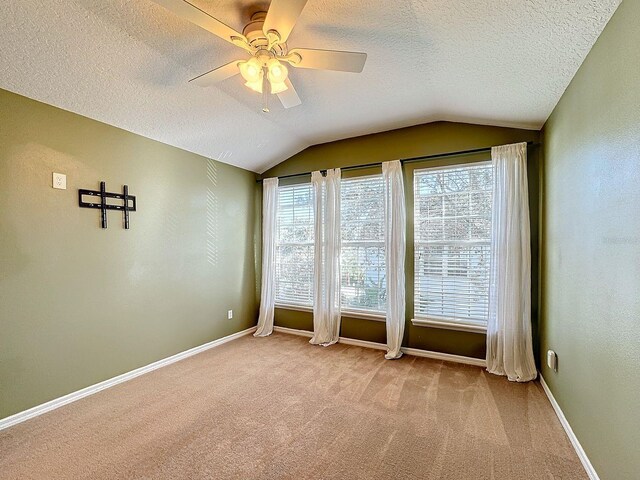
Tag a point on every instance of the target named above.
point(264, 38)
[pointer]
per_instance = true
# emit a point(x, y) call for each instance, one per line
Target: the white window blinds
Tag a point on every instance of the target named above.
point(363, 282)
point(294, 248)
point(452, 208)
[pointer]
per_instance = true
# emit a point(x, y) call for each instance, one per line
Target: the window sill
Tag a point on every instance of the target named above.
point(377, 317)
point(298, 308)
point(462, 327)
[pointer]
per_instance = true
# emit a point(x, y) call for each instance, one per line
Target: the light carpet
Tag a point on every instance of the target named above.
point(279, 408)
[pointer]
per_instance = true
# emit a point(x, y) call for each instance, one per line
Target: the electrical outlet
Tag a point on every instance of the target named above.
point(230, 314)
point(59, 181)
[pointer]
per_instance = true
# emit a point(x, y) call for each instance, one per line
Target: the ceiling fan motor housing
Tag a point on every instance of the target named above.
point(256, 37)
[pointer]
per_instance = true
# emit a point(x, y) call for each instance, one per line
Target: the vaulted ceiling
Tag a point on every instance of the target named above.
point(127, 63)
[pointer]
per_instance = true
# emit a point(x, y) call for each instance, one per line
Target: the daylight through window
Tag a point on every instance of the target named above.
point(363, 286)
point(453, 242)
point(294, 245)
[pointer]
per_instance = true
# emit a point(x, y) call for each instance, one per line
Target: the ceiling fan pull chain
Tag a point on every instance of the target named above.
point(266, 91)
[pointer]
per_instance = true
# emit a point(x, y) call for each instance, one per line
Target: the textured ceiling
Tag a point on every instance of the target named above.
point(127, 62)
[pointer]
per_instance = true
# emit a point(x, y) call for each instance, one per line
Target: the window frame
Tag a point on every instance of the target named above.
point(362, 313)
point(447, 323)
point(374, 315)
point(290, 305)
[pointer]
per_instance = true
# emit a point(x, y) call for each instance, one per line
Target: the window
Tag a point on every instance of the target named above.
point(294, 246)
point(363, 283)
point(453, 243)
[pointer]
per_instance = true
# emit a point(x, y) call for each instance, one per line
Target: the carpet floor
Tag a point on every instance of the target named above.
point(279, 408)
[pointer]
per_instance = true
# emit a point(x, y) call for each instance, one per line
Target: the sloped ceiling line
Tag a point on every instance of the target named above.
point(127, 63)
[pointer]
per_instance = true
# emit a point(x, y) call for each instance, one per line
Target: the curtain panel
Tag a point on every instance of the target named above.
point(509, 343)
point(269, 226)
point(395, 226)
point(326, 305)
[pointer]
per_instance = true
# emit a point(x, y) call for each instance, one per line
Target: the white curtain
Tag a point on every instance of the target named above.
point(268, 292)
point(509, 345)
point(395, 224)
point(326, 295)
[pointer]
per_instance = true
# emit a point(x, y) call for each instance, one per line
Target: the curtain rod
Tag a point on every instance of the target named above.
point(405, 160)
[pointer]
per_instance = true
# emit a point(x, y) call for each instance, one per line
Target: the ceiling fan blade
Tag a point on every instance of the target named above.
point(190, 12)
point(289, 98)
point(282, 16)
point(328, 59)
point(217, 74)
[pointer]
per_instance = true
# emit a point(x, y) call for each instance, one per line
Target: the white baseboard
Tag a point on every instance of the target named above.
point(416, 352)
point(448, 357)
point(591, 472)
point(293, 331)
point(362, 343)
point(85, 392)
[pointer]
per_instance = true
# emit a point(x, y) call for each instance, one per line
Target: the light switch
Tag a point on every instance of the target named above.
point(59, 181)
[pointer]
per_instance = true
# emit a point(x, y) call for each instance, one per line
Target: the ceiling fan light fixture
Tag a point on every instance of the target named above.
point(251, 70)
point(264, 38)
point(277, 72)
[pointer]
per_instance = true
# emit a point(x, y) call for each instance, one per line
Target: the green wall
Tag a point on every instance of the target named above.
point(429, 139)
point(591, 244)
point(79, 304)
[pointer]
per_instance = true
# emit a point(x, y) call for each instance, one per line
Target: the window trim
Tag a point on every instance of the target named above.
point(281, 303)
point(298, 307)
point(450, 324)
point(375, 315)
point(362, 315)
point(443, 322)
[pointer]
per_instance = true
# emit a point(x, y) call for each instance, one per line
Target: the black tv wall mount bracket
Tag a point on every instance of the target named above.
point(128, 202)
